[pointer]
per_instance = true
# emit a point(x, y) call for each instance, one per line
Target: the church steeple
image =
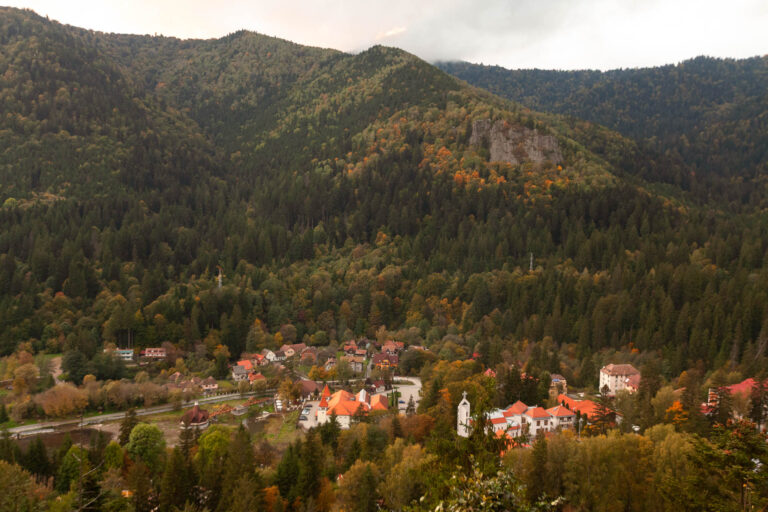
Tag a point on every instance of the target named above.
point(462, 417)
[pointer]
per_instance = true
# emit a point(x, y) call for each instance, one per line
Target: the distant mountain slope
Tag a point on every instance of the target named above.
point(709, 114)
point(341, 195)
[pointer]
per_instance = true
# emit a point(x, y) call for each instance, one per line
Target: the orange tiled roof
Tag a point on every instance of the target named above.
point(537, 413)
point(516, 408)
point(560, 412)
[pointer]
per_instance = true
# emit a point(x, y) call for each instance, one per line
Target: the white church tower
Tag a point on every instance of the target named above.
point(462, 417)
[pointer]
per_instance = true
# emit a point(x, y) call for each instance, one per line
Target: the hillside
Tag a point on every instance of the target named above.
point(708, 115)
point(342, 195)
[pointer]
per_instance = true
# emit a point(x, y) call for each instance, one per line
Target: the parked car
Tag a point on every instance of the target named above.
point(302, 418)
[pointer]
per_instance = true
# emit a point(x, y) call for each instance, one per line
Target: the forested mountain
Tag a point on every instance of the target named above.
point(343, 194)
point(708, 115)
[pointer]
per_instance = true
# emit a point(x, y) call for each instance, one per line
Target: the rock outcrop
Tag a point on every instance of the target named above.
point(514, 143)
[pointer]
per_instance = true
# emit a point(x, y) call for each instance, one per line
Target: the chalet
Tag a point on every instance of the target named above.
point(330, 364)
point(196, 418)
point(617, 377)
point(209, 385)
point(293, 350)
point(392, 347)
point(385, 361)
point(239, 373)
point(279, 356)
point(349, 348)
point(153, 353)
point(361, 352)
point(344, 405)
point(355, 363)
point(268, 355)
point(309, 356)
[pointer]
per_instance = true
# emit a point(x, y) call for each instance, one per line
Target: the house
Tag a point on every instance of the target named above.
point(254, 378)
point(209, 385)
point(153, 353)
point(268, 355)
point(245, 363)
point(330, 363)
point(361, 352)
point(355, 363)
point(392, 347)
point(558, 385)
point(344, 405)
point(239, 373)
point(279, 356)
point(196, 418)
point(309, 388)
point(742, 389)
point(293, 350)
point(309, 356)
point(617, 377)
point(385, 361)
point(562, 417)
point(349, 348)
point(125, 354)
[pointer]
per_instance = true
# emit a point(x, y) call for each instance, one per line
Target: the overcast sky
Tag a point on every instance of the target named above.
point(551, 34)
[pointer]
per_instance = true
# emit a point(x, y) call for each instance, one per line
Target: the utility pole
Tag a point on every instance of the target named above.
point(530, 268)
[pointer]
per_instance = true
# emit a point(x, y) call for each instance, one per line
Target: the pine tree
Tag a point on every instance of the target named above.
point(126, 426)
point(176, 483)
point(36, 459)
point(310, 467)
point(539, 472)
point(397, 428)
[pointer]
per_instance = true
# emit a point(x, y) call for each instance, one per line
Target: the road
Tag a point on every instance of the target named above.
point(49, 426)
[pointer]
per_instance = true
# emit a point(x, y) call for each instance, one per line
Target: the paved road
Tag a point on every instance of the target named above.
point(39, 428)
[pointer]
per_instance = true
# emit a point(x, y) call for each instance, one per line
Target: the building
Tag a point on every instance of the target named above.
point(618, 377)
point(126, 354)
point(153, 353)
point(517, 420)
point(195, 418)
point(239, 373)
point(355, 363)
point(344, 405)
point(385, 361)
point(462, 416)
point(209, 385)
point(558, 385)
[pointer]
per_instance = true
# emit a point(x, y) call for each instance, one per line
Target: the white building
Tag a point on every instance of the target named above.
point(617, 377)
point(462, 417)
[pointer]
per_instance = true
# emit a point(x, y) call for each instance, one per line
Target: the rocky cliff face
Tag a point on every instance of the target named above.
point(514, 143)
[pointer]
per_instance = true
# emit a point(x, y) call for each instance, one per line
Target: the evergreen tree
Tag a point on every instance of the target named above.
point(536, 489)
point(36, 459)
point(126, 426)
point(310, 467)
point(177, 482)
point(3, 414)
point(288, 471)
point(396, 429)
